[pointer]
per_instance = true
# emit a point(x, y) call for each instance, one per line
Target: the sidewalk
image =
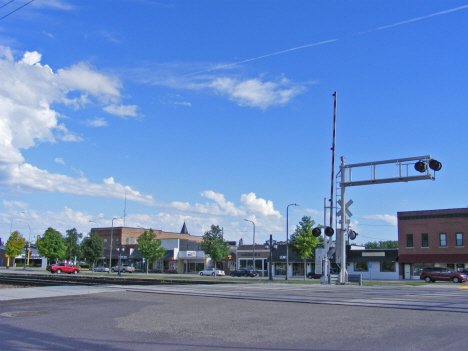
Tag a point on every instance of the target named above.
point(54, 291)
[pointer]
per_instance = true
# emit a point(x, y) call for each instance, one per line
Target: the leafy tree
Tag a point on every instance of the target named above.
point(52, 245)
point(303, 242)
point(73, 247)
point(150, 247)
point(15, 244)
point(214, 245)
point(389, 244)
point(92, 248)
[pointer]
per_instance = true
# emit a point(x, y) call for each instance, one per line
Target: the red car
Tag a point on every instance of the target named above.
point(432, 274)
point(62, 267)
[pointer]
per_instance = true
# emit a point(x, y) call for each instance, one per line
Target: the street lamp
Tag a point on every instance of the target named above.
point(120, 249)
point(21, 220)
point(110, 247)
point(272, 246)
point(287, 238)
point(253, 242)
point(25, 255)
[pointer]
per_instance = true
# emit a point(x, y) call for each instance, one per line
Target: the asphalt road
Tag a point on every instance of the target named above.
point(251, 317)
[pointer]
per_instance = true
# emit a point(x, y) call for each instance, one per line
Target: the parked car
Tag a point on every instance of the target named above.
point(101, 269)
point(243, 273)
point(312, 275)
point(123, 268)
point(212, 271)
point(62, 267)
point(432, 274)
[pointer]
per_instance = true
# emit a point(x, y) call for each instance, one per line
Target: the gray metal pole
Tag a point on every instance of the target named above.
point(287, 238)
point(343, 273)
point(110, 248)
point(253, 242)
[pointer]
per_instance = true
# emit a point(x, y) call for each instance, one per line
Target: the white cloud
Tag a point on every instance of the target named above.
point(27, 93)
point(255, 93)
point(98, 122)
point(386, 218)
point(60, 160)
point(259, 206)
point(11, 204)
point(122, 111)
point(228, 207)
point(183, 103)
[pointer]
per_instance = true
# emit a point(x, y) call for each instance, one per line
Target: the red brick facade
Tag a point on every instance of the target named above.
point(435, 237)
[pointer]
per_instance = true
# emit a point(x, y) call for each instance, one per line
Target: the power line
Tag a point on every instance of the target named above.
point(1, 7)
point(16, 9)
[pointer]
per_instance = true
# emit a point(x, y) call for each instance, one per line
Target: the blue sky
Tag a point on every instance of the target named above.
point(212, 112)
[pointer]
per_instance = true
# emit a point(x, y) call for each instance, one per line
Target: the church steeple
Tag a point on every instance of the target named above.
point(184, 229)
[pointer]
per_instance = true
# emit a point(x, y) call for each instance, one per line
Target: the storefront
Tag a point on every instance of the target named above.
point(245, 258)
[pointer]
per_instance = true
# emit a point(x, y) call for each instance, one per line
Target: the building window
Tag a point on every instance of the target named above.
point(409, 240)
point(105, 243)
point(443, 240)
point(280, 268)
point(424, 240)
point(126, 241)
point(418, 266)
point(459, 239)
point(460, 266)
point(451, 266)
point(131, 241)
point(387, 267)
point(361, 267)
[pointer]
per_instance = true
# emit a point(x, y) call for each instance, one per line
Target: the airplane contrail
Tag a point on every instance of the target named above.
point(328, 41)
point(259, 57)
point(424, 17)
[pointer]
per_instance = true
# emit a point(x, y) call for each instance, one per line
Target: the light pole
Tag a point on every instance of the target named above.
point(29, 243)
point(272, 246)
point(110, 247)
point(120, 249)
point(253, 242)
point(287, 238)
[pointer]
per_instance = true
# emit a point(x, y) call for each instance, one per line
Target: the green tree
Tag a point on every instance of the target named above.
point(214, 245)
point(150, 247)
point(303, 242)
point(92, 248)
point(52, 245)
point(73, 247)
point(15, 245)
point(389, 244)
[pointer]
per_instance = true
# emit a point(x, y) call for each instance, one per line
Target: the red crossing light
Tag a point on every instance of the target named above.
point(329, 231)
point(435, 165)
point(420, 166)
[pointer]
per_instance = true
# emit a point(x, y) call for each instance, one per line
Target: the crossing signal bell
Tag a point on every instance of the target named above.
point(421, 166)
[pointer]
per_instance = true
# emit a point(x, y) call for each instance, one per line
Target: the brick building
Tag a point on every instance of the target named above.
point(434, 238)
point(183, 253)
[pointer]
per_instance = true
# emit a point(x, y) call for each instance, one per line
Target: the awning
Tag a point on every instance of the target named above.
point(433, 258)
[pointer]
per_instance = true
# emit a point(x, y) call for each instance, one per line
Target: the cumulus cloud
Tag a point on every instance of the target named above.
point(259, 206)
point(386, 218)
point(122, 110)
point(252, 92)
point(256, 93)
point(98, 122)
point(60, 160)
point(27, 92)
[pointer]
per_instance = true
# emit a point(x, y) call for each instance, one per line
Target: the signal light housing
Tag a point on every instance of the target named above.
point(435, 165)
point(329, 231)
point(316, 232)
point(352, 234)
point(420, 166)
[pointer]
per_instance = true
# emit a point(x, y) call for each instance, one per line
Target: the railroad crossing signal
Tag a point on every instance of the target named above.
point(348, 212)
